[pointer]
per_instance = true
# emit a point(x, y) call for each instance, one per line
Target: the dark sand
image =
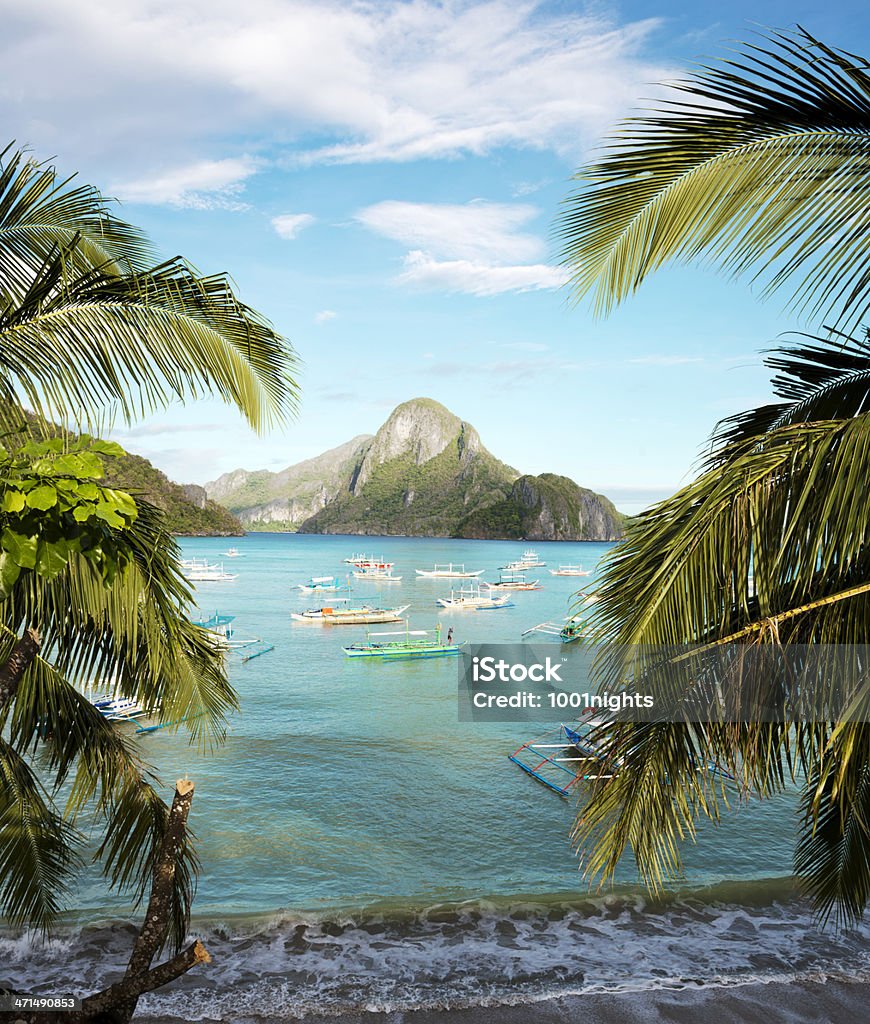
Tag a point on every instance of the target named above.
point(822, 1002)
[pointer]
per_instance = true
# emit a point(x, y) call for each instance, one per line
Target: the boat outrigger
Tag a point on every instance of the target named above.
point(200, 570)
point(414, 643)
point(570, 570)
point(322, 584)
point(569, 631)
point(378, 573)
point(449, 571)
point(365, 615)
point(560, 759)
point(368, 560)
point(221, 628)
point(471, 599)
point(514, 581)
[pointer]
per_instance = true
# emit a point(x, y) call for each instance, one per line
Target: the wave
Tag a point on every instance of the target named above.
point(395, 956)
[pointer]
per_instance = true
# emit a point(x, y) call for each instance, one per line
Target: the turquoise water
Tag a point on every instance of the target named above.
point(361, 842)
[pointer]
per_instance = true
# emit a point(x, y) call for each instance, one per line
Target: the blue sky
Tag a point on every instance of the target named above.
point(381, 181)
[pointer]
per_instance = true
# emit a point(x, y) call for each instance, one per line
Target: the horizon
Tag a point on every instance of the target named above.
point(389, 207)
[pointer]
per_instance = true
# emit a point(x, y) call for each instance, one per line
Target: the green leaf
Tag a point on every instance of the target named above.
point(83, 512)
point(10, 570)
point(21, 549)
point(109, 514)
point(84, 465)
point(42, 498)
point(52, 558)
point(13, 501)
point(107, 448)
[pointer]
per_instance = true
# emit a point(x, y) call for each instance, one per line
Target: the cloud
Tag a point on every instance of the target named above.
point(288, 225)
point(322, 80)
point(476, 247)
point(478, 278)
point(474, 231)
point(206, 184)
point(160, 429)
point(324, 315)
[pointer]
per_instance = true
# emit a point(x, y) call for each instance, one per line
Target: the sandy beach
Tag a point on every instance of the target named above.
point(806, 1002)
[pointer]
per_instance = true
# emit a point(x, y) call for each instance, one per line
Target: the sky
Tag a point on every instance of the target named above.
point(381, 180)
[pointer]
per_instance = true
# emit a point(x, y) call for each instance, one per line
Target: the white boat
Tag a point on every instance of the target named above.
point(377, 573)
point(322, 584)
point(368, 561)
point(363, 615)
point(570, 570)
point(471, 599)
point(530, 560)
point(202, 571)
point(232, 553)
point(513, 581)
point(450, 571)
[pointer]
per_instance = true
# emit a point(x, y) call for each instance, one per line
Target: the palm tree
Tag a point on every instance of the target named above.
point(89, 324)
point(764, 168)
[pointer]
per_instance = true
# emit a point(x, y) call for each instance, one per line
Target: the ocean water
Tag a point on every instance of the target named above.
point(362, 847)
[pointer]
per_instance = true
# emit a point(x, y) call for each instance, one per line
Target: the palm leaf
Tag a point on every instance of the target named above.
point(764, 166)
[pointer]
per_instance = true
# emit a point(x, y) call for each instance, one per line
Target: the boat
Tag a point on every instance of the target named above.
point(221, 629)
point(449, 571)
point(529, 560)
point(413, 643)
point(471, 599)
point(513, 581)
point(232, 553)
point(365, 615)
point(203, 571)
point(322, 584)
point(378, 574)
point(119, 709)
point(560, 759)
point(368, 562)
point(570, 570)
point(569, 631)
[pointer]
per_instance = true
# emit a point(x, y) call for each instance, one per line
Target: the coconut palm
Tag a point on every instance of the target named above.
point(762, 168)
point(769, 546)
point(90, 580)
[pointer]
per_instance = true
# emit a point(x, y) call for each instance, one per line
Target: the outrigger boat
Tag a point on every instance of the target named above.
point(221, 628)
point(570, 570)
point(514, 581)
point(415, 643)
point(232, 553)
point(568, 632)
point(575, 753)
point(322, 584)
point(366, 615)
point(382, 575)
point(471, 599)
point(450, 571)
point(370, 560)
point(203, 571)
point(529, 560)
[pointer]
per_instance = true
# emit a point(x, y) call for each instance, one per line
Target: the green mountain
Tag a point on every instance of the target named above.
point(425, 473)
point(546, 507)
point(189, 511)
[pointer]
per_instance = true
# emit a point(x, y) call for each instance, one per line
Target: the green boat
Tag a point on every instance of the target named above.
point(415, 643)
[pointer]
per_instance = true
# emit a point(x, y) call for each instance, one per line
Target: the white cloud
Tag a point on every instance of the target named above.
point(329, 80)
point(472, 231)
point(324, 315)
point(478, 278)
point(288, 225)
point(202, 185)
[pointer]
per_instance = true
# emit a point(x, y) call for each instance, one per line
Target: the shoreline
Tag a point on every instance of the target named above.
point(834, 1001)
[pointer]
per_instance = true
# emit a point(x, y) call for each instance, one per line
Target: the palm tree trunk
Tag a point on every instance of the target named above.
point(25, 650)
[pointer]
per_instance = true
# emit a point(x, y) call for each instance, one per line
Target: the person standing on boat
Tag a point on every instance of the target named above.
point(450, 635)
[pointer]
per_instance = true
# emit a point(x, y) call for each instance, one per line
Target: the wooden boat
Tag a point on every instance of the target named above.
point(203, 571)
point(529, 560)
point(560, 759)
point(471, 599)
point(365, 615)
point(413, 643)
point(449, 571)
point(570, 570)
point(381, 575)
point(322, 584)
point(514, 581)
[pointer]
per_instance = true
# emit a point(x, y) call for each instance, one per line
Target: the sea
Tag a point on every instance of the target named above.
point(364, 849)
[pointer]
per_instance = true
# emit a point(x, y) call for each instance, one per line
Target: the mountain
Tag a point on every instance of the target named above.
point(425, 473)
point(189, 510)
point(546, 507)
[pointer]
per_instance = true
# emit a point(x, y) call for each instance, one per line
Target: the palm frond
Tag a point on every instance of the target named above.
point(41, 213)
point(38, 848)
point(74, 346)
point(763, 167)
